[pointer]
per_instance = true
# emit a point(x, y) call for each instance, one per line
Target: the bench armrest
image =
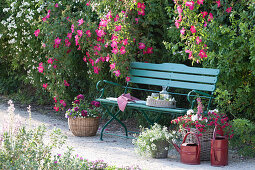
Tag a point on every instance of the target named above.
point(205, 95)
point(108, 82)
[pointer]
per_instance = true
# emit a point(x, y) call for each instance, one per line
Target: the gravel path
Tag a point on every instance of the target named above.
point(115, 150)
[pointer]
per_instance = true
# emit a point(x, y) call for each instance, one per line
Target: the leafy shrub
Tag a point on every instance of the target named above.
point(244, 137)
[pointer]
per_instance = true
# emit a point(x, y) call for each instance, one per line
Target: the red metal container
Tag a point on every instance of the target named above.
point(219, 150)
point(189, 152)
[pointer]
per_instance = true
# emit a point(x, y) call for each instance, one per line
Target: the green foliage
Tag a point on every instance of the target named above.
point(244, 137)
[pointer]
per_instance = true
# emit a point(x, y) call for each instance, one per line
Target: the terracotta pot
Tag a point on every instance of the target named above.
point(83, 126)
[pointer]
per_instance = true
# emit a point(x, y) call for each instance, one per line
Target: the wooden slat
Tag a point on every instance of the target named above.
point(181, 68)
point(175, 84)
point(173, 76)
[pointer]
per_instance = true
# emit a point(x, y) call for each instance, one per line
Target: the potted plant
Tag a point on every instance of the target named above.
point(83, 117)
point(154, 141)
point(203, 125)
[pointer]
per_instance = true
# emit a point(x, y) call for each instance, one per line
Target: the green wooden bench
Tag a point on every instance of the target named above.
point(196, 81)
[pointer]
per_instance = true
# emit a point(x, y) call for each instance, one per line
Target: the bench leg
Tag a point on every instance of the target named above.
point(151, 122)
point(114, 116)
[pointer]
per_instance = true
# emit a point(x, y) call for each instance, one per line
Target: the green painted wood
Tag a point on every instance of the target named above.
point(173, 76)
point(180, 68)
point(171, 83)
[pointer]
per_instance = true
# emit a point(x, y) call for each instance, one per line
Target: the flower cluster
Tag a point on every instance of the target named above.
point(146, 141)
point(81, 108)
point(192, 19)
point(203, 122)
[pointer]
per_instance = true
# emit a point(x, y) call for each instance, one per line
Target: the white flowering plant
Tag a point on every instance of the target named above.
point(149, 137)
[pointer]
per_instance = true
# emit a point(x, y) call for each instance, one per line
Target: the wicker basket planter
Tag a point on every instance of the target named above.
point(205, 141)
point(83, 126)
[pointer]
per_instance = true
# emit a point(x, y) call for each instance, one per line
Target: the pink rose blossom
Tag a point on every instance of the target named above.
point(117, 73)
point(200, 2)
point(127, 79)
point(72, 28)
point(190, 5)
point(50, 61)
point(117, 28)
point(122, 50)
point(103, 23)
point(44, 19)
point(88, 3)
point(179, 9)
point(91, 61)
point(139, 5)
point(177, 24)
point(43, 45)
point(228, 10)
point(112, 66)
point(198, 40)
point(180, 18)
point(40, 68)
point(88, 33)
point(80, 21)
point(205, 25)
point(125, 42)
point(108, 16)
point(204, 13)
point(182, 31)
point(67, 43)
point(218, 2)
point(100, 33)
point(76, 40)
point(69, 35)
point(65, 83)
point(45, 85)
point(79, 32)
point(210, 17)
point(115, 50)
point(96, 70)
point(84, 59)
point(107, 58)
point(56, 109)
point(56, 5)
point(114, 44)
point(141, 46)
point(57, 41)
point(116, 18)
point(202, 54)
point(137, 19)
point(193, 29)
point(37, 32)
point(149, 50)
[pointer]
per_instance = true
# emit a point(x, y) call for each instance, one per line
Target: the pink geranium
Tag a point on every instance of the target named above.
point(88, 33)
point(88, 3)
point(114, 44)
point(112, 66)
point(122, 50)
point(177, 24)
point(182, 31)
point(37, 32)
point(45, 85)
point(44, 19)
point(141, 45)
point(76, 40)
point(193, 29)
point(67, 43)
point(79, 32)
point(108, 16)
point(56, 5)
point(56, 109)
point(80, 21)
point(100, 33)
point(228, 10)
point(117, 73)
point(85, 59)
point(57, 41)
point(114, 37)
point(179, 9)
point(91, 61)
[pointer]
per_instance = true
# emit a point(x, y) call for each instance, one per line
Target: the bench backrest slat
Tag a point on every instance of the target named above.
point(174, 75)
point(181, 68)
point(175, 84)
